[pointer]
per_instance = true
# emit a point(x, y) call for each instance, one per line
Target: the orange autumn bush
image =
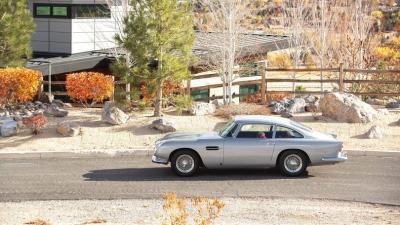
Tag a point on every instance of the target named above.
point(18, 85)
point(86, 87)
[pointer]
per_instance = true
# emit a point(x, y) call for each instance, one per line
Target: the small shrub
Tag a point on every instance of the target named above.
point(229, 111)
point(175, 212)
point(35, 123)
point(182, 103)
point(207, 210)
point(279, 60)
point(88, 87)
point(39, 222)
point(18, 85)
point(300, 88)
point(256, 97)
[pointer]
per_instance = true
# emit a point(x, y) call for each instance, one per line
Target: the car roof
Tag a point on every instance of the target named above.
point(262, 119)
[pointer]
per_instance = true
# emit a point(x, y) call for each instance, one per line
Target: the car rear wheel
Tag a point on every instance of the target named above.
point(292, 163)
point(185, 163)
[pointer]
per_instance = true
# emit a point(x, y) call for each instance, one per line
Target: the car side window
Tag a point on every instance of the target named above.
point(284, 132)
point(262, 131)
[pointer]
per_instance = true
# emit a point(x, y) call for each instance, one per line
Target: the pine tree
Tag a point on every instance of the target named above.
point(16, 27)
point(159, 37)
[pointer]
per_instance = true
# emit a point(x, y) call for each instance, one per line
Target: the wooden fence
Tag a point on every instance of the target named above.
point(264, 80)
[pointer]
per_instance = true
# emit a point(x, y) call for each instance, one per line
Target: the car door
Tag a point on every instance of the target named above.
point(252, 145)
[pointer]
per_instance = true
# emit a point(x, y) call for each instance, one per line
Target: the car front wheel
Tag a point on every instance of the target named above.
point(185, 163)
point(292, 163)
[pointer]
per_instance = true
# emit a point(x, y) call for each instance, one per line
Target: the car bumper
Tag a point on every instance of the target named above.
point(159, 160)
point(341, 157)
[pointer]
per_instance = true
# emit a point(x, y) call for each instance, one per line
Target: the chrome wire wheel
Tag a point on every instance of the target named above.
point(185, 163)
point(293, 163)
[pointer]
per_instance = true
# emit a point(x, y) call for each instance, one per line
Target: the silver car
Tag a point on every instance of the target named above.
point(250, 142)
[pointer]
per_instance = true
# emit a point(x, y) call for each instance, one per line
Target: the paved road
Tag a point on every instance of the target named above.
point(373, 179)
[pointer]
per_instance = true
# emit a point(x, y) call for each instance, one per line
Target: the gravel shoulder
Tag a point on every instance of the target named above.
point(237, 211)
point(135, 135)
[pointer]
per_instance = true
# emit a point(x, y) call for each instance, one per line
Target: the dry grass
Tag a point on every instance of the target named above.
point(229, 111)
point(95, 221)
point(39, 222)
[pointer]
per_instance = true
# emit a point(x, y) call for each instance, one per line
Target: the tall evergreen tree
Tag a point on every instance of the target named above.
point(159, 37)
point(16, 27)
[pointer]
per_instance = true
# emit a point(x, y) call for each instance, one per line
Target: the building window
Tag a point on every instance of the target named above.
point(200, 95)
point(60, 11)
point(43, 11)
point(245, 90)
point(91, 11)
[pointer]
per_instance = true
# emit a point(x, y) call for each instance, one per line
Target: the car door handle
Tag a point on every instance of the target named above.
point(212, 148)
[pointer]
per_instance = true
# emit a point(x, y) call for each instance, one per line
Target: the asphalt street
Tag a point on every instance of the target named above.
point(366, 178)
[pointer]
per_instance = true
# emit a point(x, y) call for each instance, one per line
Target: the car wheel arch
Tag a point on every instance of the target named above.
point(292, 149)
point(186, 149)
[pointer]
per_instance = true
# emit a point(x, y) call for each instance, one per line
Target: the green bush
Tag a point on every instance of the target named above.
point(182, 103)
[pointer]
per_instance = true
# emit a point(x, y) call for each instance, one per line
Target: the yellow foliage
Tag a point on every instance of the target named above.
point(89, 86)
point(280, 60)
point(377, 14)
point(18, 84)
point(386, 54)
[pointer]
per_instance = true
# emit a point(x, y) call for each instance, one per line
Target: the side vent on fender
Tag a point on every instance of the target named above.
point(212, 148)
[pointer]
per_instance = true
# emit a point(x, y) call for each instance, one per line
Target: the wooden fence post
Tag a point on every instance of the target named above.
point(341, 78)
point(188, 86)
point(128, 91)
point(262, 66)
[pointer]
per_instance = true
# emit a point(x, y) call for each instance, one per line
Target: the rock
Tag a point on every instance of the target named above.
point(8, 127)
point(46, 98)
point(163, 126)
point(286, 114)
point(70, 129)
point(383, 111)
point(311, 108)
point(272, 103)
point(375, 132)
point(278, 108)
point(113, 115)
point(67, 105)
point(346, 108)
point(58, 102)
point(296, 105)
point(393, 105)
point(311, 99)
point(375, 101)
point(218, 103)
point(54, 110)
point(201, 108)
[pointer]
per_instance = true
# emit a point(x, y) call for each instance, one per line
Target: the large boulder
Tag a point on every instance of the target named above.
point(163, 126)
point(278, 108)
point(54, 110)
point(375, 101)
point(393, 105)
point(46, 98)
point(346, 108)
point(296, 105)
point(8, 127)
point(113, 115)
point(375, 132)
point(201, 108)
point(69, 129)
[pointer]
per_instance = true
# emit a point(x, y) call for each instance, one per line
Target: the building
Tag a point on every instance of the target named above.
point(78, 35)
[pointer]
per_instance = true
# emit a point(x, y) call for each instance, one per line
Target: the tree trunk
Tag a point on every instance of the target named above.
point(158, 100)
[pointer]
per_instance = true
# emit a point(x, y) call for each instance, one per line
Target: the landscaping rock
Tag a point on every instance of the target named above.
point(346, 108)
point(286, 114)
point(311, 99)
point(375, 101)
point(201, 108)
point(58, 103)
point(375, 132)
point(163, 126)
point(311, 108)
point(46, 98)
point(278, 108)
point(393, 105)
point(296, 105)
point(54, 110)
point(113, 115)
point(218, 103)
point(70, 129)
point(8, 127)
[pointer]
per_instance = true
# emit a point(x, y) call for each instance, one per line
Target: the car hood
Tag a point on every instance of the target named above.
point(189, 136)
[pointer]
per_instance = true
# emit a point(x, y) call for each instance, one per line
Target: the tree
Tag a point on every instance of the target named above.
point(158, 35)
point(16, 26)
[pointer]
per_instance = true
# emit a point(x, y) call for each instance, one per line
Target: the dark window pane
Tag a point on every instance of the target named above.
point(92, 11)
point(43, 10)
point(60, 11)
point(284, 132)
point(200, 94)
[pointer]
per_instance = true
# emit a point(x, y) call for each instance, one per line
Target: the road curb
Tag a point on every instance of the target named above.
point(142, 152)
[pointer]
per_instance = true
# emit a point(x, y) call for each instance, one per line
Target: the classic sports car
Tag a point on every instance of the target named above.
point(250, 142)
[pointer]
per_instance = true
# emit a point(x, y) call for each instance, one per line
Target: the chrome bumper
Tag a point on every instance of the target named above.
point(156, 159)
point(341, 157)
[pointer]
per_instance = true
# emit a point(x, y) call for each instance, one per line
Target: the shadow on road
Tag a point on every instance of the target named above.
point(165, 174)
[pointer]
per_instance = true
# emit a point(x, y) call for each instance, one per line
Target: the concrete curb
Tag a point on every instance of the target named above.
point(137, 153)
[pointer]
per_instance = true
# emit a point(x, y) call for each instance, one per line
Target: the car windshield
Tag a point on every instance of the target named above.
point(227, 128)
point(301, 126)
